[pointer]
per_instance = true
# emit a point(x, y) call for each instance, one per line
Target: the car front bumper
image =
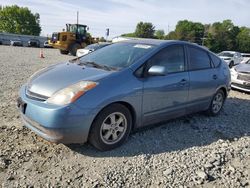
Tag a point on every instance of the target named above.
point(59, 124)
point(240, 84)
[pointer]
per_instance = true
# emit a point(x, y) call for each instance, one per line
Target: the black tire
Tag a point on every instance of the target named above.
point(231, 64)
point(73, 48)
point(96, 137)
point(211, 110)
point(64, 52)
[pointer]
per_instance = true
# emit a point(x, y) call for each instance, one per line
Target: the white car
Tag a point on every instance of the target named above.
point(231, 57)
point(90, 48)
point(246, 57)
point(240, 77)
point(47, 45)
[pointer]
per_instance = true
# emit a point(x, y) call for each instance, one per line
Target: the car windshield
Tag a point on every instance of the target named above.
point(118, 55)
point(92, 47)
point(226, 54)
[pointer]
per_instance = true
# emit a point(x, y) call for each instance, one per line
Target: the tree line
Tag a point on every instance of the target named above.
point(217, 37)
point(19, 20)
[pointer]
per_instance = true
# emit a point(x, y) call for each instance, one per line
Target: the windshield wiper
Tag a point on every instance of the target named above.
point(74, 60)
point(96, 65)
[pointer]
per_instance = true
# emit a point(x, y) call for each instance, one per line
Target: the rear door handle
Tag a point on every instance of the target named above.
point(215, 77)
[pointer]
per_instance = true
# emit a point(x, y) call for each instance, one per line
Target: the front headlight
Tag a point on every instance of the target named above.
point(233, 72)
point(71, 93)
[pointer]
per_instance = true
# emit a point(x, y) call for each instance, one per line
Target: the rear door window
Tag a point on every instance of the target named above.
point(198, 59)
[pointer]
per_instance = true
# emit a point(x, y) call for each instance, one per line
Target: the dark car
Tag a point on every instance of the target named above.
point(105, 94)
point(47, 45)
point(33, 43)
point(16, 43)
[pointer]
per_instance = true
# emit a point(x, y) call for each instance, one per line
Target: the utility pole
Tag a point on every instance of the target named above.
point(77, 17)
point(168, 30)
point(107, 33)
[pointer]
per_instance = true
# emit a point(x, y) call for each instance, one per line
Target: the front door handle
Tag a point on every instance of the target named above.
point(183, 82)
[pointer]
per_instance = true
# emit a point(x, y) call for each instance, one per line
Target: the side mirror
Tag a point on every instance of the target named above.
point(157, 71)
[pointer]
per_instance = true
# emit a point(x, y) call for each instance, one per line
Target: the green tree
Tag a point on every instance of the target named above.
point(243, 39)
point(144, 30)
point(128, 35)
point(19, 20)
point(171, 36)
point(102, 39)
point(159, 34)
point(222, 36)
point(189, 31)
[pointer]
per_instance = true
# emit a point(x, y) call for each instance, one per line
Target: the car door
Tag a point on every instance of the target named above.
point(203, 79)
point(165, 97)
point(237, 58)
point(240, 57)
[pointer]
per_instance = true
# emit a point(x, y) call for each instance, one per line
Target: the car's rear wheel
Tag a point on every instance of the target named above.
point(216, 103)
point(111, 127)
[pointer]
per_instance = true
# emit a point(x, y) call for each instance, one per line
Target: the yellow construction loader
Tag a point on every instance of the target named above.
point(69, 41)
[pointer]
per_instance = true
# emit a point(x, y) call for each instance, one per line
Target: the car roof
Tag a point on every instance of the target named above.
point(157, 42)
point(233, 52)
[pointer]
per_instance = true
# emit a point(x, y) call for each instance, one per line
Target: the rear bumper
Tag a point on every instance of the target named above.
point(60, 124)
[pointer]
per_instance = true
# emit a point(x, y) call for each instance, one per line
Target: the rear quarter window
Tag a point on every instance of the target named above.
point(198, 59)
point(216, 60)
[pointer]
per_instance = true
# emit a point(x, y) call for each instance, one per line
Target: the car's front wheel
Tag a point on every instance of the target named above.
point(216, 103)
point(111, 127)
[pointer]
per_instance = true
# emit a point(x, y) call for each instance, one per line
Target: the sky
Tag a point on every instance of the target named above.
point(122, 16)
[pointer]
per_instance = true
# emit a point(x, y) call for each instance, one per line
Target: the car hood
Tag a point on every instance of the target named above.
point(243, 68)
point(51, 79)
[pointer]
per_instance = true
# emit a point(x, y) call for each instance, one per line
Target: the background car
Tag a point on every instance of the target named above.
point(33, 43)
point(103, 95)
point(246, 57)
point(231, 57)
point(47, 45)
point(91, 48)
point(241, 77)
point(16, 43)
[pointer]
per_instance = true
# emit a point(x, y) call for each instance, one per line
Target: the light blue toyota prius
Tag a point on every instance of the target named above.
point(104, 95)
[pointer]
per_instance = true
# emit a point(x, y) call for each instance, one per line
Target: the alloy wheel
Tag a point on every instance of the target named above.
point(217, 103)
point(113, 128)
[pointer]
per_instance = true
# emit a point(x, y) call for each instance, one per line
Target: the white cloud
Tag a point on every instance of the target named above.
point(123, 15)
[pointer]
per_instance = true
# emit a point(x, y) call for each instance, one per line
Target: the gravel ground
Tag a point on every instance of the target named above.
point(193, 151)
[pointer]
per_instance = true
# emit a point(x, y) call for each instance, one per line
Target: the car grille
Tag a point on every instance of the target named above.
point(36, 96)
point(244, 77)
point(244, 86)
